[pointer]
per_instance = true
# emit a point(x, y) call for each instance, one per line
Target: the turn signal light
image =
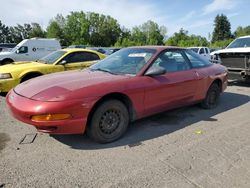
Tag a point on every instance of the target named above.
point(50, 117)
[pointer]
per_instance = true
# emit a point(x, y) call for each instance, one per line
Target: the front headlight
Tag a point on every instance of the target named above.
point(5, 75)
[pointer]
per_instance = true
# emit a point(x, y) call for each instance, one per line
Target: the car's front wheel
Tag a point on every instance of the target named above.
point(109, 122)
point(212, 97)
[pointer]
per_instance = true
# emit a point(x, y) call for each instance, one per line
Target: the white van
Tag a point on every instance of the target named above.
point(30, 50)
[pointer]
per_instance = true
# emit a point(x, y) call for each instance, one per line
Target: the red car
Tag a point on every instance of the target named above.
point(128, 85)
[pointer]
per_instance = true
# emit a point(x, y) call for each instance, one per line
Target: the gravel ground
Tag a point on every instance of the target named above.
point(187, 147)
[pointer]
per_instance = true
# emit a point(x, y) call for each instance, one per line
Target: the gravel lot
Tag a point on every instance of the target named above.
point(187, 147)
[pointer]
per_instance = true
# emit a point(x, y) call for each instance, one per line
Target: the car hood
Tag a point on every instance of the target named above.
point(5, 53)
point(17, 66)
point(232, 50)
point(68, 85)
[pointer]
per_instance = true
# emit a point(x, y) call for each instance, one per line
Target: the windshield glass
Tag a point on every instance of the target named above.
point(52, 57)
point(15, 49)
point(240, 43)
point(195, 49)
point(125, 61)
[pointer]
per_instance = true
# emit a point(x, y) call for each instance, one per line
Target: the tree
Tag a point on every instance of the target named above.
point(242, 31)
point(222, 28)
point(149, 33)
point(37, 31)
point(20, 32)
point(182, 39)
point(103, 30)
point(4, 33)
point(77, 28)
point(178, 38)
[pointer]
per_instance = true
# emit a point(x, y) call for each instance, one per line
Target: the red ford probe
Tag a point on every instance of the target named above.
point(130, 84)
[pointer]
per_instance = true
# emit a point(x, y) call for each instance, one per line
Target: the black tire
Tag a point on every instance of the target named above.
point(7, 61)
point(109, 122)
point(29, 76)
point(212, 97)
point(246, 79)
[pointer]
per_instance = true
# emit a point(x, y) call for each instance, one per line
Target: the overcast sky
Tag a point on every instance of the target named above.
point(196, 16)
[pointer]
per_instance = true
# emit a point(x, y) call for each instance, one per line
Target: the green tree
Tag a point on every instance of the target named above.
point(4, 34)
point(124, 38)
point(182, 39)
point(77, 28)
point(36, 31)
point(222, 28)
point(56, 29)
point(178, 38)
point(242, 31)
point(103, 30)
point(221, 44)
point(149, 33)
point(20, 32)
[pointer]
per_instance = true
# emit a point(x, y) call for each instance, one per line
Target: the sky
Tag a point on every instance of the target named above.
point(196, 16)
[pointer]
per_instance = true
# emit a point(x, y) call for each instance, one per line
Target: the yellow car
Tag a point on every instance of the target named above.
point(61, 60)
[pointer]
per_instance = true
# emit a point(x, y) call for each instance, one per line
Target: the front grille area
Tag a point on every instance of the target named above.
point(236, 60)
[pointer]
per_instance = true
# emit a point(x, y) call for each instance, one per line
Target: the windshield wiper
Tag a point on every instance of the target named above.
point(103, 70)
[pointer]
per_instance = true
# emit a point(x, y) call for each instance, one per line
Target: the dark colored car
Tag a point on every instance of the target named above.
point(128, 85)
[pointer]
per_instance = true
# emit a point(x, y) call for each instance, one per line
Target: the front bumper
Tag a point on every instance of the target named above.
point(23, 108)
point(7, 84)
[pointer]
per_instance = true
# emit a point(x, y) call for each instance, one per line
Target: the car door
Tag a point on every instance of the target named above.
point(199, 65)
point(23, 54)
point(174, 88)
point(73, 61)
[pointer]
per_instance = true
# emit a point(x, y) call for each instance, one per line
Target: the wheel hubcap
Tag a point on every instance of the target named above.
point(110, 121)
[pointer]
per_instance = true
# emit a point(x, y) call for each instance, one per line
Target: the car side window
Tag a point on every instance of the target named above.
point(81, 57)
point(202, 51)
point(206, 51)
point(172, 61)
point(196, 60)
point(23, 50)
point(91, 56)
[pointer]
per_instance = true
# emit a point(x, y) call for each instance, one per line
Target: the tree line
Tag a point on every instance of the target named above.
point(95, 29)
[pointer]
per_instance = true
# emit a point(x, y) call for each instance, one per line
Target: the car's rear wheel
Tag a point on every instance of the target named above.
point(109, 122)
point(212, 97)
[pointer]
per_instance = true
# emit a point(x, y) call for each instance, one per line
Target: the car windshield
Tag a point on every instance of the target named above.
point(240, 43)
point(15, 49)
point(52, 57)
point(126, 61)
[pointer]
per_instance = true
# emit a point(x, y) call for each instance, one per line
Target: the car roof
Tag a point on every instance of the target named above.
point(248, 36)
point(77, 50)
point(158, 47)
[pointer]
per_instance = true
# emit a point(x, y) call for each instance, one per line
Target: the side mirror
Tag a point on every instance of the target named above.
point(17, 51)
point(63, 62)
point(155, 71)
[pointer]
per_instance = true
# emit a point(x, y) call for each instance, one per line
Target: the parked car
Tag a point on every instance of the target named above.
point(203, 51)
point(236, 57)
point(61, 60)
point(6, 46)
point(128, 85)
point(30, 50)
